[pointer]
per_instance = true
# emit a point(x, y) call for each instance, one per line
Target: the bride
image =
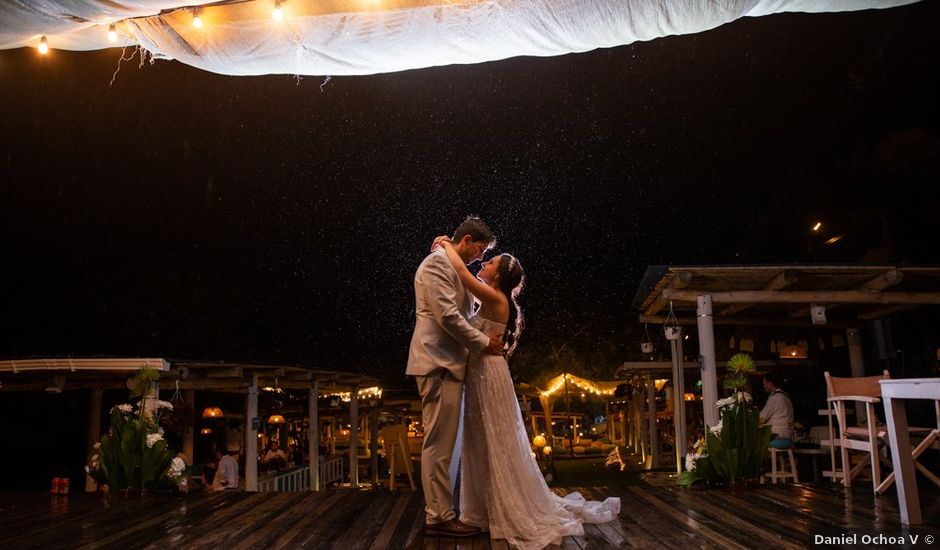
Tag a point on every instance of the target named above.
point(501, 488)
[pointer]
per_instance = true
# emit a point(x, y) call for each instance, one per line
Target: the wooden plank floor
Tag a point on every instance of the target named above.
point(655, 514)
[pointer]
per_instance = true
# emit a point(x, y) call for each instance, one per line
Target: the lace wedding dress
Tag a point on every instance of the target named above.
point(501, 488)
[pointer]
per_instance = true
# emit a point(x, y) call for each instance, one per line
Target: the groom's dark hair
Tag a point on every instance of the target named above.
point(477, 230)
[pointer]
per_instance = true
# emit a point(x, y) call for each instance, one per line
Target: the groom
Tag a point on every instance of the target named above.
point(437, 359)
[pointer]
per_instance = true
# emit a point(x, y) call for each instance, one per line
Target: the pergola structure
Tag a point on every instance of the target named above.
point(97, 375)
point(825, 296)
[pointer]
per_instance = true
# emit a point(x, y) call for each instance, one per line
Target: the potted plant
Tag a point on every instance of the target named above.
point(732, 453)
point(133, 456)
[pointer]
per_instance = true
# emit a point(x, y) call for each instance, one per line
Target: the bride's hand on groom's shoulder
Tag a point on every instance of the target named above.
point(438, 241)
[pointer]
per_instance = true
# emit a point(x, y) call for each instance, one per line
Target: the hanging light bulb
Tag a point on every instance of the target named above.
point(43, 46)
point(277, 13)
point(197, 21)
point(112, 33)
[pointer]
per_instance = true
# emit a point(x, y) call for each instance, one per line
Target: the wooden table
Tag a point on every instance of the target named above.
point(892, 392)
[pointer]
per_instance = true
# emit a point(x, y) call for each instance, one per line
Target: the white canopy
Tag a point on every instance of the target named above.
point(357, 37)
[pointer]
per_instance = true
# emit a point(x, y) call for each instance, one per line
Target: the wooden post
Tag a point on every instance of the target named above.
point(623, 428)
point(853, 337)
point(547, 412)
point(678, 397)
point(607, 420)
point(644, 426)
point(651, 403)
point(189, 397)
point(706, 343)
point(354, 436)
point(150, 399)
point(568, 406)
point(374, 444)
point(313, 436)
point(94, 433)
point(251, 436)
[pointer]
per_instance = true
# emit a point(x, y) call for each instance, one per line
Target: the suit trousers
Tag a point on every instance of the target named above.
point(441, 399)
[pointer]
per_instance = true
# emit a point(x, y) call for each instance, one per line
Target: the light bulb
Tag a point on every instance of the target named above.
point(112, 33)
point(277, 13)
point(197, 21)
point(43, 46)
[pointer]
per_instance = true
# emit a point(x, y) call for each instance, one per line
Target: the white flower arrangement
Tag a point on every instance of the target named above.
point(690, 459)
point(164, 405)
point(152, 439)
point(176, 467)
point(716, 429)
point(738, 396)
point(124, 408)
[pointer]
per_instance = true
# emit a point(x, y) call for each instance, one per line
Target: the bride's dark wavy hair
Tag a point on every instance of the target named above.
point(511, 283)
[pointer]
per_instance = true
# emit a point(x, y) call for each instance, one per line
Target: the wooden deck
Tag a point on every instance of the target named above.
point(655, 514)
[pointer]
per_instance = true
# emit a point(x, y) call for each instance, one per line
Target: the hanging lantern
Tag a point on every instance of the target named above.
point(539, 440)
point(205, 431)
point(546, 450)
point(275, 419)
point(212, 412)
point(646, 345)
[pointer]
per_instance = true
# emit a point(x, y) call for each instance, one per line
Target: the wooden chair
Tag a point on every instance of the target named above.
point(867, 390)
point(396, 452)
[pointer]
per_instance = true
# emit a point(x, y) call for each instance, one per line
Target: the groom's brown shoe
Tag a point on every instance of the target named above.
point(451, 528)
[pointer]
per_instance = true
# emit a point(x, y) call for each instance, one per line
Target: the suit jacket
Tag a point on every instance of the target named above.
point(442, 338)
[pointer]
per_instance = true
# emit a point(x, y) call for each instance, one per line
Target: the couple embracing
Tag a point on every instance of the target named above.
point(458, 358)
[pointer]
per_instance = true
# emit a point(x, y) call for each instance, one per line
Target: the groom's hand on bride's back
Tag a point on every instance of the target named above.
point(496, 344)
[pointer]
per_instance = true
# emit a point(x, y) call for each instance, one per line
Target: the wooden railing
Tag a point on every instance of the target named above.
point(298, 479)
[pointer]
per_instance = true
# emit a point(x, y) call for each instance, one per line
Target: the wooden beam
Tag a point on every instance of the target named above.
point(885, 280)
point(746, 321)
point(882, 312)
point(782, 280)
point(807, 297)
point(681, 280)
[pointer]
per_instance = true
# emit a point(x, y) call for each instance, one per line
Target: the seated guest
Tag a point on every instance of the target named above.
point(778, 413)
point(274, 458)
point(226, 471)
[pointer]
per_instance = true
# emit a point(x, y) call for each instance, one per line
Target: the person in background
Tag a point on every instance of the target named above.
point(226, 471)
point(778, 413)
point(275, 458)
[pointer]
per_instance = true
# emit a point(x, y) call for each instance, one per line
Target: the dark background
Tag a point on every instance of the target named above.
point(183, 214)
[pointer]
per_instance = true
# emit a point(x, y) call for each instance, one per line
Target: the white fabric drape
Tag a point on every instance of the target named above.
point(356, 37)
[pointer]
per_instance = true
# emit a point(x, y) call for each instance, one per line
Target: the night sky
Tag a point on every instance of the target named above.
point(182, 214)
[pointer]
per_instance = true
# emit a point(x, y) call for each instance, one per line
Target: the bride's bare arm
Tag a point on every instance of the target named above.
point(483, 292)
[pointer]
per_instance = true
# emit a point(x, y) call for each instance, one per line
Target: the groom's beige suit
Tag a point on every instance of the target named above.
point(437, 359)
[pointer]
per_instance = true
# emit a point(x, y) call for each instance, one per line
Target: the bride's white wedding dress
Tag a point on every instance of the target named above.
point(501, 488)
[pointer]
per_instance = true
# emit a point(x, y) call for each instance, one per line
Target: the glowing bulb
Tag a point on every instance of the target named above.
point(277, 13)
point(197, 21)
point(43, 46)
point(817, 226)
point(112, 33)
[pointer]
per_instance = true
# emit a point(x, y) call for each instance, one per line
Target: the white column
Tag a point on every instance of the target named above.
point(651, 402)
point(94, 432)
point(189, 397)
point(354, 436)
point(251, 436)
point(313, 436)
point(706, 343)
point(853, 337)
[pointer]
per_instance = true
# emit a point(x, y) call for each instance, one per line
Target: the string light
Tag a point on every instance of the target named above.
point(277, 13)
point(43, 46)
point(112, 33)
